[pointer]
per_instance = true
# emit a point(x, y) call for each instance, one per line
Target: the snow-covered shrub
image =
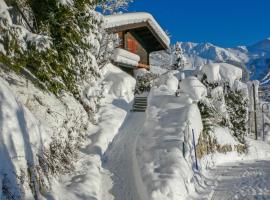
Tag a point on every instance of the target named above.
point(221, 111)
point(61, 54)
point(237, 108)
point(180, 59)
point(145, 83)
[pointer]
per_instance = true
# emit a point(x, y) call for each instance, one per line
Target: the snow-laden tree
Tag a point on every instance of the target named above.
point(180, 59)
point(57, 43)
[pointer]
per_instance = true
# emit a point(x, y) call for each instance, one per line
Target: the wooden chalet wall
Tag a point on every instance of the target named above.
point(131, 44)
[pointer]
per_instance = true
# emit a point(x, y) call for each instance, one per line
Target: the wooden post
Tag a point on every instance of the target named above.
point(263, 115)
point(255, 112)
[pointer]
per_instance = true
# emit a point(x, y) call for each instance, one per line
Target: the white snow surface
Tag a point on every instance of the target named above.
point(224, 136)
point(29, 118)
point(241, 180)
point(22, 137)
point(126, 54)
point(125, 57)
point(224, 72)
point(116, 20)
point(166, 174)
point(230, 73)
point(212, 72)
point(90, 180)
point(193, 87)
point(169, 80)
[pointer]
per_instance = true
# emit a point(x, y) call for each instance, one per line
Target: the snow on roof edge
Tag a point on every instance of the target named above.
point(116, 20)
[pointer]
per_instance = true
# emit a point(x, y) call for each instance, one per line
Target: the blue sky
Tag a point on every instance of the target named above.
point(226, 23)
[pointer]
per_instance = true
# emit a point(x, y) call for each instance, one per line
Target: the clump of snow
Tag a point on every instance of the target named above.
point(224, 136)
point(224, 72)
point(230, 73)
point(112, 21)
point(140, 72)
point(118, 83)
point(126, 54)
point(193, 87)
point(168, 80)
point(158, 69)
point(212, 72)
point(125, 57)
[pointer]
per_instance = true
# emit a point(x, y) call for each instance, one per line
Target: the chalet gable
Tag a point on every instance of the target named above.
point(142, 26)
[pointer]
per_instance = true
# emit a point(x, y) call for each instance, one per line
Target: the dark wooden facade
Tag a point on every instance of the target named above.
point(141, 39)
point(133, 45)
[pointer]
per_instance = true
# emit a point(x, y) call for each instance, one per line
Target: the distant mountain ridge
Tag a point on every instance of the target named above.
point(256, 57)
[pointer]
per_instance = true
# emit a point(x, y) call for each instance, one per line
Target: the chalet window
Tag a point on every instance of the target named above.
point(132, 45)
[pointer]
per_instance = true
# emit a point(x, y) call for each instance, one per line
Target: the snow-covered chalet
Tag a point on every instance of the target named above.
point(139, 35)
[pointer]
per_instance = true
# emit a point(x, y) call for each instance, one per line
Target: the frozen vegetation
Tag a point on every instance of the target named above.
point(66, 126)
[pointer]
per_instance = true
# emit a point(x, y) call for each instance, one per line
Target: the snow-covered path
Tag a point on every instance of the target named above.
point(248, 180)
point(120, 160)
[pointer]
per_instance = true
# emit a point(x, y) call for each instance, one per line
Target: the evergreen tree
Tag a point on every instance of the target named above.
point(237, 104)
point(61, 55)
point(181, 60)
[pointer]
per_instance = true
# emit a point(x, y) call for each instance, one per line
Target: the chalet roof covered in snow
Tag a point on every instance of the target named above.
point(143, 24)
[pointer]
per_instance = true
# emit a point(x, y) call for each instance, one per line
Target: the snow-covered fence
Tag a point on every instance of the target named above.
point(265, 123)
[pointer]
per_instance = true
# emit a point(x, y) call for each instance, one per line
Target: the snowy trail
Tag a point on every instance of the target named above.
point(249, 180)
point(121, 161)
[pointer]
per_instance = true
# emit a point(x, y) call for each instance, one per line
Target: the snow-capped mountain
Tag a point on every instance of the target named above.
point(256, 57)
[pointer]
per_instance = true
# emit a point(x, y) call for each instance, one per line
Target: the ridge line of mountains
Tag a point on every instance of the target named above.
point(256, 57)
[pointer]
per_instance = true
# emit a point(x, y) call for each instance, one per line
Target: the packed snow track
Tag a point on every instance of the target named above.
point(121, 161)
point(249, 180)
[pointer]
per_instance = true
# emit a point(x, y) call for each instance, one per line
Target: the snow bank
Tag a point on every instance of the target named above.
point(224, 72)
point(224, 136)
point(166, 173)
point(193, 87)
point(22, 139)
point(87, 179)
point(126, 54)
point(257, 150)
point(212, 72)
point(127, 61)
point(125, 57)
point(112, 21)
point(168, 80)
point(230, 73)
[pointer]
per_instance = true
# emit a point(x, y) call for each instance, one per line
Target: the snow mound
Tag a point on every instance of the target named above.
point(212, 72)
point(230, 73)
point(119, 83)
point(22, 138)
point(168, 80)
point(125, 57)
point(112, 21)
point(126, 54)
point(193, 87)
point(166, 173)
point(224, 72)
point(224, 137)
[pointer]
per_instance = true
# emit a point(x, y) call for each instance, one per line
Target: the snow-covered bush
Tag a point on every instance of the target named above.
point(145, 83)
point(223, 107)
point(180, 59)
point(61, 55)
point(237, 108)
